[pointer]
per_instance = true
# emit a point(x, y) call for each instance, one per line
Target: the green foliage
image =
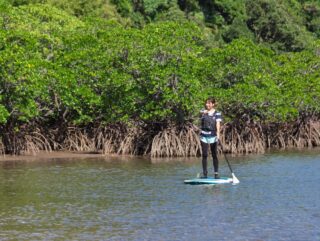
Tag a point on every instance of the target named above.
point(4, 114)
point(299, 77)
point(238, 29)
point(20, 72)
point(240, 77)
point(152, 6)
point(173, 13)
point(272, 23)
point(56, 67)
point(312, 12)
point(149, 74)
point(286, 25)
point(189, 6)
point(30, 43)
point(254, 82)
point(124, 7)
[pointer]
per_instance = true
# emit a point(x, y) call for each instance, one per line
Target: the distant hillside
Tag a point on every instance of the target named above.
point(285, 25)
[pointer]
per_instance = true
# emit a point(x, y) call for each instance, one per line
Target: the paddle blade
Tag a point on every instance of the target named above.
point(235, 180)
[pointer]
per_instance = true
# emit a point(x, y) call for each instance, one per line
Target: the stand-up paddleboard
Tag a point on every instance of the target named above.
point(209, 180)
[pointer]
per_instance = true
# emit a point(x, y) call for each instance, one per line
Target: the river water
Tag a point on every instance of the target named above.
point(278, 198)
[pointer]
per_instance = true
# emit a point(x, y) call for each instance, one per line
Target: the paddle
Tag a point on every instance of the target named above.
point(235, 180)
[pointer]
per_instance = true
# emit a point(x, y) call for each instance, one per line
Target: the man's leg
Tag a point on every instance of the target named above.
point(204, 148)
point(214, 152)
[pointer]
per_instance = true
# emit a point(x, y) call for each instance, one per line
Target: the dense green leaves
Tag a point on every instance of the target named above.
point(273, 23)
point(286, 25)
point(58, 68)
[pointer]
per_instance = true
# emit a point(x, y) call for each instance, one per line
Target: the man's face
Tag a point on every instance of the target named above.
point(209, 105)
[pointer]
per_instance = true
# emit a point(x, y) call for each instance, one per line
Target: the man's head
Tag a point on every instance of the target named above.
point(210, 103)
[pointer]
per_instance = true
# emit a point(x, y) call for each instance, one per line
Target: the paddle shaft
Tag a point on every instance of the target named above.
point(225, 156)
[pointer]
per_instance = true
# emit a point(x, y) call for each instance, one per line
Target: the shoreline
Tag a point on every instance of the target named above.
point(74, 155)
point(44, 156)
point(60, 155)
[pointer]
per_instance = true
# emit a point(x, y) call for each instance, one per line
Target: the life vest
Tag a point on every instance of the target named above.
point(208, 125)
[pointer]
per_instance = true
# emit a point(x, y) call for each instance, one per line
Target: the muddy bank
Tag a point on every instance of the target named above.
point(43, 155)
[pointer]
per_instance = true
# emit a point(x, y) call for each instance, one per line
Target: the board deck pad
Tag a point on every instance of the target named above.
point(209, 180)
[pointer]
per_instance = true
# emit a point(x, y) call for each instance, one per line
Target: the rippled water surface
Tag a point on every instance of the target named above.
point(278, 198)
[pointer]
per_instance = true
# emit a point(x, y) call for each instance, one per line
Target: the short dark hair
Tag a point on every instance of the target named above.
point(211, 99)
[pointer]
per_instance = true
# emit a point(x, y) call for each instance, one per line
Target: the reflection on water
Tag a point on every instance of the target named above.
point(277, 199)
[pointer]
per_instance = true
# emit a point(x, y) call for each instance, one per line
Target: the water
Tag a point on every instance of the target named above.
point(278, 198)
